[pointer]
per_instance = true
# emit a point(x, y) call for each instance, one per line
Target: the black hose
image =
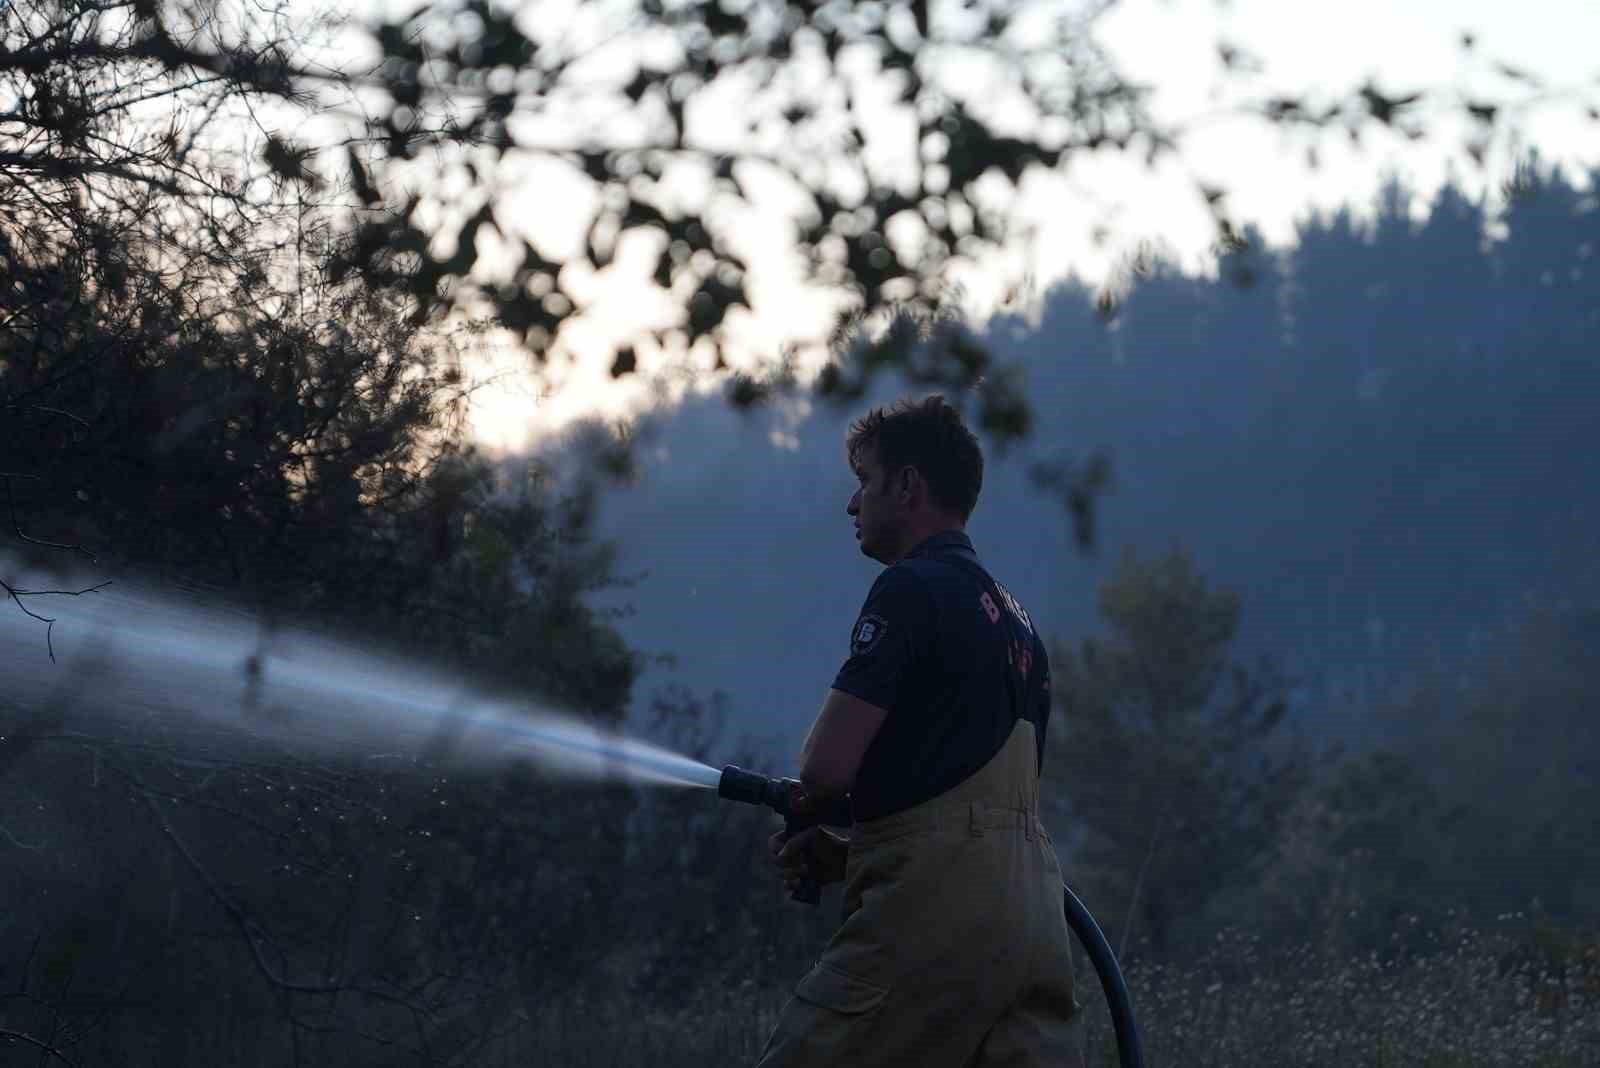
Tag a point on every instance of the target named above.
point(1130, 1052)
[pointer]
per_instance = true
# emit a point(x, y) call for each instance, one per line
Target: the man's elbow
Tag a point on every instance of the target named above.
point(821, 780)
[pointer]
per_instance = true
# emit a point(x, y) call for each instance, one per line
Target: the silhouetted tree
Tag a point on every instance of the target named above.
point(347, 905)
point(1169, 778)
point(1468, 817)
point(808, 76)
point(466, 95)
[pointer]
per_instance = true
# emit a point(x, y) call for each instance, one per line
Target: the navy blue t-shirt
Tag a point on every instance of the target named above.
point(955, 661)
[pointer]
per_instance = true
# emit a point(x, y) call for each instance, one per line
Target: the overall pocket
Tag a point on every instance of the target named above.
point(830, 988)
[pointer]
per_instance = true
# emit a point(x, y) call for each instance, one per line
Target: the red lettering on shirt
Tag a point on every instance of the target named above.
point(1020, 656)
point(990, 609)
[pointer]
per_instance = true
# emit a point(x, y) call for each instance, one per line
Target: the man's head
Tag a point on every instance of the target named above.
point(920, 470)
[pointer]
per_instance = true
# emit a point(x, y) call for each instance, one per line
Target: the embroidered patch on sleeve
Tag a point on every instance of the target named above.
point(869, 631)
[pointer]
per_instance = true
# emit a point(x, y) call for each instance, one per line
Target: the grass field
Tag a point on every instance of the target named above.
point(1469, 1000)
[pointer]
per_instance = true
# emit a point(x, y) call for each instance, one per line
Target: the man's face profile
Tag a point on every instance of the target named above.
point(873, 507)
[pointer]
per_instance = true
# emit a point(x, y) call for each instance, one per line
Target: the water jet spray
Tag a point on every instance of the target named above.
point(136, 657)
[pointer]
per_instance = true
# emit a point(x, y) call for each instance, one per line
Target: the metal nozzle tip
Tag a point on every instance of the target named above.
point(737, 784)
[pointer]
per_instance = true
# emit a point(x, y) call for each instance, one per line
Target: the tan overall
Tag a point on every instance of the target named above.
point(954, 949)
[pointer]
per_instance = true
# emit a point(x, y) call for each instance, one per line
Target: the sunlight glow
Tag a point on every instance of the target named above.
point(1092, 218)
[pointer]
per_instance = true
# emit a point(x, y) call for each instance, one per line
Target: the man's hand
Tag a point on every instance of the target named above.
point(816, 849)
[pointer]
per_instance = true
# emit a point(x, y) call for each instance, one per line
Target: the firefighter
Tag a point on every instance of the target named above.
point(953, 950)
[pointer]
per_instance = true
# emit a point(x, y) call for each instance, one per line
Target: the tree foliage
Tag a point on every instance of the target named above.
point(1472, 809)
point(903, 161)
point(174, 137)
point(188, 386)
point(899, 132)
point(1172, 769)
point(348, 905)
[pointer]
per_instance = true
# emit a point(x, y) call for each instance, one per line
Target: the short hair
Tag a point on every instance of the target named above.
point(929, 435)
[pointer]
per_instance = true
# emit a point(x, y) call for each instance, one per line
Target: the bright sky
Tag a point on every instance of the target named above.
point(1172, 45)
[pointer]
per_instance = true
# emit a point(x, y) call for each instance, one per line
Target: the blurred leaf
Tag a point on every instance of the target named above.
point(1516, 74)
point(288, 161)
point(361, 183)
point(1386, 108)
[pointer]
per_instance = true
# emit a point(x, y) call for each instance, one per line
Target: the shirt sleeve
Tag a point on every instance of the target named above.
point(893, 630)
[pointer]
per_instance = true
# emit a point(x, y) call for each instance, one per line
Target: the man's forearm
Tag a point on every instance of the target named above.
point(821, 789)
point(837, 743)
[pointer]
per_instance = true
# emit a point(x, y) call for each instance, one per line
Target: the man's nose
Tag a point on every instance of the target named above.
point(855, 503)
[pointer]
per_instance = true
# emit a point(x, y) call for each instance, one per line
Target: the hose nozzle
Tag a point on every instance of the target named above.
point(754, 788)
point(788, 799)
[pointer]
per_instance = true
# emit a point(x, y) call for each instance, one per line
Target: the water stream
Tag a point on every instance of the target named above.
point(130, 652)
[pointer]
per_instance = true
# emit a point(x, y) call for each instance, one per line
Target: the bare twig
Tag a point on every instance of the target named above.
point(14, 592)
point(1138, 882)
point(46, 1049)
point(48, 411)
point(16, 526)
point(255, 936)
point(18, 594)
